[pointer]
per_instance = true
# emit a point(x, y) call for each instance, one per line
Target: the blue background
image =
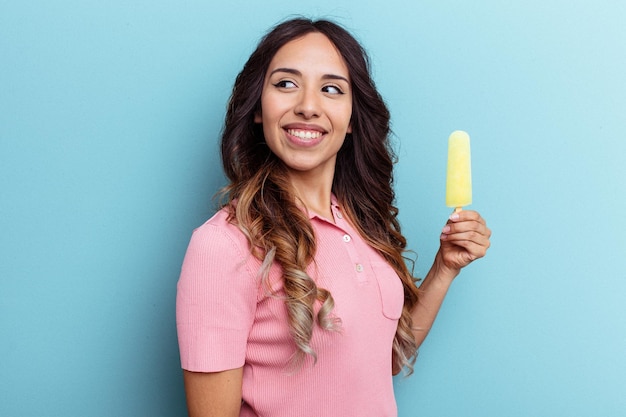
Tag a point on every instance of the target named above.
point(110, 114)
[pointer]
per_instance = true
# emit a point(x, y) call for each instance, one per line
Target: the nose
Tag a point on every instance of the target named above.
point(308, 105)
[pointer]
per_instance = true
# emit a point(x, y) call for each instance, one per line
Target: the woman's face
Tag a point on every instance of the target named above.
point(306, 105)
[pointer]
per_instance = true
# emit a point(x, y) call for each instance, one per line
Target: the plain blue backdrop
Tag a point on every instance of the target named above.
point(110, 114)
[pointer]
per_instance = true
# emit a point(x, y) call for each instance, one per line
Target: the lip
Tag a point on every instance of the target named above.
point(300, 142)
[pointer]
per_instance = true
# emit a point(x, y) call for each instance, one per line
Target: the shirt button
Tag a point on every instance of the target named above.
point(346, 238)
point(358, 267)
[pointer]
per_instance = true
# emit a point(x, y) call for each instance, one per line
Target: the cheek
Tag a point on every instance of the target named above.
point(272, 142)
point(271, 133)
point(272, 107)
point(345, 118)
point(349, 118)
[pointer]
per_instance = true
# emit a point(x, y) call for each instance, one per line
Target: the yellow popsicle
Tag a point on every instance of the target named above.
point(459, 178)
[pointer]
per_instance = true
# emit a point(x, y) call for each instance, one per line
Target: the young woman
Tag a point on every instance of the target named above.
point(295, 299)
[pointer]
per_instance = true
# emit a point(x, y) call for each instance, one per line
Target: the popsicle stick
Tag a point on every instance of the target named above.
point(456, 210)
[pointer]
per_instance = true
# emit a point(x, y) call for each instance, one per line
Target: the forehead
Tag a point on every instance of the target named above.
point(313, 52)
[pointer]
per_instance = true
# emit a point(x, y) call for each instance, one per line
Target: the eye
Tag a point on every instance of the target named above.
point(332, 89)
point(285, 84)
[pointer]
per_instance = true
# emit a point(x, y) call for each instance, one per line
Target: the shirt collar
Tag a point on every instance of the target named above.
point(334, 204)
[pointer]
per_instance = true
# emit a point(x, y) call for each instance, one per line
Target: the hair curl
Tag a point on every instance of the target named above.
point(266, 210)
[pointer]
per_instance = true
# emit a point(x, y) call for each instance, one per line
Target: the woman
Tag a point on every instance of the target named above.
point(295, 299)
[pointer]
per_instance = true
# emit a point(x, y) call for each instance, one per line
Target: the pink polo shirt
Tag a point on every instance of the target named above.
point(226, 320)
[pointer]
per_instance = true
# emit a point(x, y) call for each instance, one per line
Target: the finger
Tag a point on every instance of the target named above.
point(470, 236)
point(479, 237)
point(473, 249)
point(466, 215)
point(467, 226)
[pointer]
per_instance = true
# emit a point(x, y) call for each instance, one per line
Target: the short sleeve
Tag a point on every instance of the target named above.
point(215, 302)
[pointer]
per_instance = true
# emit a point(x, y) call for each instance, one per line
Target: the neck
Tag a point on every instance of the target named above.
point(314, 192)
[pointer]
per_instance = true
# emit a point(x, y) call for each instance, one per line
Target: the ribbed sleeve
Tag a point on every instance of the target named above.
point(215, 303)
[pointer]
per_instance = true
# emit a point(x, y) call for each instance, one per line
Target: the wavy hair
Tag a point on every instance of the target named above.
point(263, 204)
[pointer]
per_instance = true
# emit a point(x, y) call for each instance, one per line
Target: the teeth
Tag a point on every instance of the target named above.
point(304, 134)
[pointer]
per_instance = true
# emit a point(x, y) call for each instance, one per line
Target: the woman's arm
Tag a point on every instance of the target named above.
point(213, 394)
point(464, 239)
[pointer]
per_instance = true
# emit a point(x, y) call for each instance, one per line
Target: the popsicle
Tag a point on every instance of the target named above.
point(459, 176)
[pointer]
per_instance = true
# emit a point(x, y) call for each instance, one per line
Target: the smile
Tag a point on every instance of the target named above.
point(305, 134)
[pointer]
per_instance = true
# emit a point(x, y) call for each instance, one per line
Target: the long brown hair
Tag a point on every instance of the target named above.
point(266, 210)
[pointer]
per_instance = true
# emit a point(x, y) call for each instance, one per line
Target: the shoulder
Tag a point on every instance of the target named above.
point(219, 252)
point(218, 243)
point(219, 233)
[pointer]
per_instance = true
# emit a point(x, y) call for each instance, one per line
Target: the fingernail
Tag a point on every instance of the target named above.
point(446, 229)
point(454, 216)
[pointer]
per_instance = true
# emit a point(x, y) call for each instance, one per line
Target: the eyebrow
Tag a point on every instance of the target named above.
point(298, 73)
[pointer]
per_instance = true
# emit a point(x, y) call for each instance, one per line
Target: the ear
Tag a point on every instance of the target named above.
point(258, 117)
point(349, 130)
